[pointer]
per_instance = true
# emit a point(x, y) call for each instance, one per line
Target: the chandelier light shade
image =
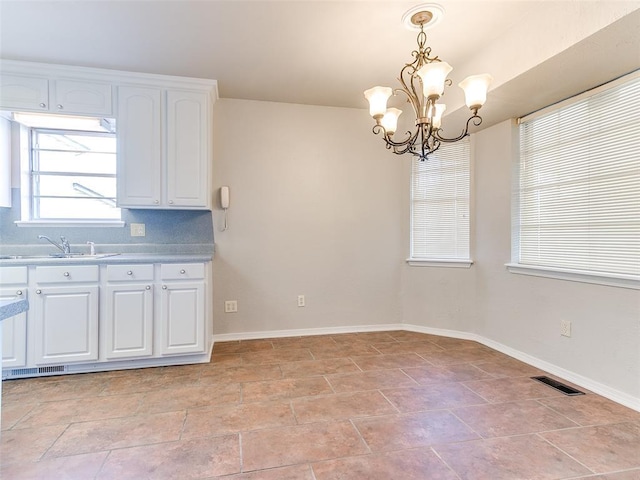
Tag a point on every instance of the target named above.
point(390, 120)
point(378, 97)
point(423, 83)
point(434, 76)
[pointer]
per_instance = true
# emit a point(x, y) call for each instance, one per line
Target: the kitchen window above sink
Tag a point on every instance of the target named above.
point(70, 170)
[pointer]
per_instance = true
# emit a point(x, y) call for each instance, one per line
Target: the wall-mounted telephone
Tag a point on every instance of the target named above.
point(224, 203)
point(224, 197)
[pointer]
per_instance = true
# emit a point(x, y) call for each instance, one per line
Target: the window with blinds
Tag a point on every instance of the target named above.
point(579, 191)
point(440, 204)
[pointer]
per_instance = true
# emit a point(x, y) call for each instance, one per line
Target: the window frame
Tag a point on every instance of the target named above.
point(443, 261)
point(24, 157)
point(614, 279)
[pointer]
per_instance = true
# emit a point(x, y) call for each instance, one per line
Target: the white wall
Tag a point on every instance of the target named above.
point(314, 210)
point(521, 312)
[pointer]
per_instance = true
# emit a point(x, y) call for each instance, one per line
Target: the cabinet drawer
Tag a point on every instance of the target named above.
point(67, 274)
point(181, 271)
point(130, 273)
point(10, 275)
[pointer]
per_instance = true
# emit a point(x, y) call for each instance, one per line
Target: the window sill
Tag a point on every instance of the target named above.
point(70, 223)
point(611, 280)
point(448, 263)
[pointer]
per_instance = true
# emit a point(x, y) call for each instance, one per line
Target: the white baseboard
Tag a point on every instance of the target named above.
point(575, 378)
point(305, 332)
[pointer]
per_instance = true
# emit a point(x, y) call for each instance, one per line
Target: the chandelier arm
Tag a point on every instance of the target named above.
point(477, 121)
point(410, 92)
point(409, 140)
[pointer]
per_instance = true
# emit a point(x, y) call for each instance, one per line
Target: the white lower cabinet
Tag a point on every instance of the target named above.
point(66, 324)
point(13, 285)
point(65, 314)
point(182, 309)
point(14, 331)
point(128, 322)
point(86, 318)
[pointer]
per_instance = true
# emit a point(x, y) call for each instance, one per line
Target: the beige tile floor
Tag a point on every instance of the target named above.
point(384, 405)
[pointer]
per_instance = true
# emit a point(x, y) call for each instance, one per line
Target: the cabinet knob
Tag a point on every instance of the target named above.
point(148, 287)
point(38, 291)
point(60, 107)
point(66, 274)
point(129, 272)
point(164, 287)
point(43, 105)
point(171, 202)
point(19, 293)
point(183, 271)
point(156, 202)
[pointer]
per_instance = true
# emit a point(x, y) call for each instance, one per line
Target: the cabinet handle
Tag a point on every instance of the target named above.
point(60, 107)
point(148, 287)
point(38, 292)
point(43, 105)
point(19, 293)
point(66, 274)
point(129, 272)
point(183, 271)
point(164, 287)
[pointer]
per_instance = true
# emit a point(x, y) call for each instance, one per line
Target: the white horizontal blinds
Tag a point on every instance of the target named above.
point(580, 184)
point(440, 203)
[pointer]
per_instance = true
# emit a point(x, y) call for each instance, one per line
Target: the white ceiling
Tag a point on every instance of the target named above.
point(328, 52)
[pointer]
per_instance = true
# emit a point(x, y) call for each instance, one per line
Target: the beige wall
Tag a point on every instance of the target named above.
point(314, 211)
point(320, 208)
point(520, 312)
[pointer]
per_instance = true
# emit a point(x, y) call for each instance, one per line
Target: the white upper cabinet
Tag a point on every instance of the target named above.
point(188, 131)
point(89, 98)
point(24, 93)
point(40, 94)
point(163, 125)
point(164, 151)
point(139, 147)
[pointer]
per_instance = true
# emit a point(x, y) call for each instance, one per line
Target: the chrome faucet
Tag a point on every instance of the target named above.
point(63, 245)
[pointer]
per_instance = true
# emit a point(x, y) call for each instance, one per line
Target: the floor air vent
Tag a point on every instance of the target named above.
point(29, 372)
point(561, 387)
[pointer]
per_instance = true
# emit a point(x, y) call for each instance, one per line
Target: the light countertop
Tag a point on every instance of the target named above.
point(10, 308)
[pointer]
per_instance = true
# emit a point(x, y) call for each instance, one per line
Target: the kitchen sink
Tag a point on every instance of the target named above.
point(55, 255)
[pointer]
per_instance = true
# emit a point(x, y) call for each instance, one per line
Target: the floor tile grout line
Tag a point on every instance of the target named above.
point(431, 447)
point(481, 437)
point(362, 439)
point(102, 464)
point(549, 442)
point(389, 401)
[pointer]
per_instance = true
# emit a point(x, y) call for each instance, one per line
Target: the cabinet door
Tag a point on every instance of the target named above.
point(14, 332)
point(182, 318)
point(188, 149)
point(129, 321)
point(24, 93)
point(139, 152)
point(90, 98)
point(66, 324)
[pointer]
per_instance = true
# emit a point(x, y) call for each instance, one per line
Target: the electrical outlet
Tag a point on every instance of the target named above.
point(231, 306)
point(565, 328)
point(137, 230)
point(301, 301)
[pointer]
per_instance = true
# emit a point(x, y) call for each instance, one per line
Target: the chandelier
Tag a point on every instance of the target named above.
point(423, 83)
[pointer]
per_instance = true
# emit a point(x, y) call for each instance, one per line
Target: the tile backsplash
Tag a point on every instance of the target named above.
point(182, 231)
